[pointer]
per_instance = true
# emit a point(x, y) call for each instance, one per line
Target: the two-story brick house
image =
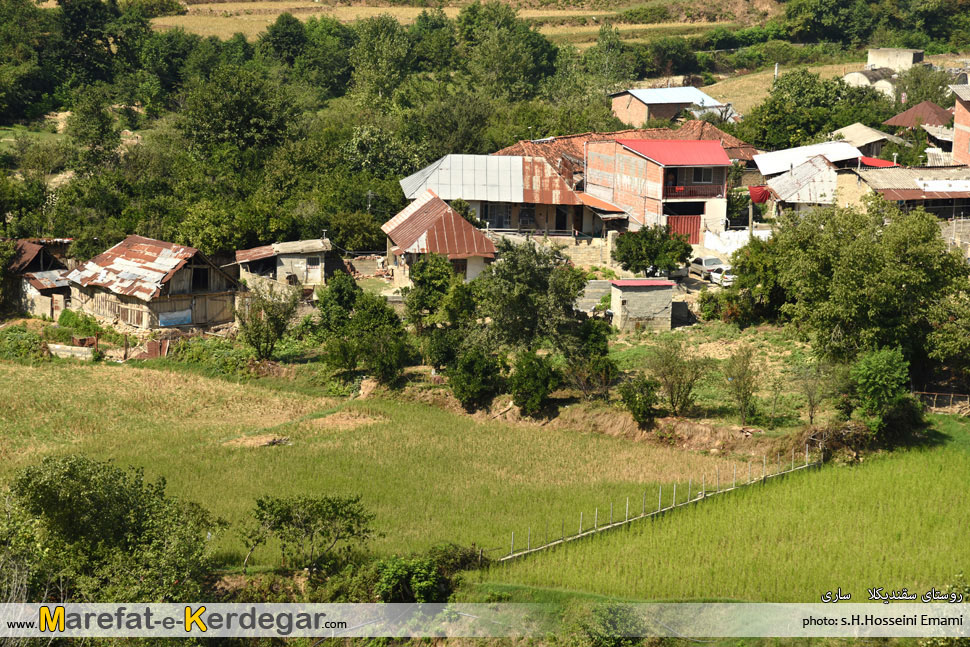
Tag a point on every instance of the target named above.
point(657, 182)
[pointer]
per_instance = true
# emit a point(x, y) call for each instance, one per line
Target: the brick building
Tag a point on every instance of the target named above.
point(961, 124)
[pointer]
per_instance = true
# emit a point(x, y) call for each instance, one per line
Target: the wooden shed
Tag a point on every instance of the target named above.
point(150, 283)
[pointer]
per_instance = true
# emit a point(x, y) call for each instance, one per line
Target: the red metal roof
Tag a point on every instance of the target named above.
point(429, 226)
point(595, 203)
point(876, 162)
point(638, 283)
point(919, 194)
point(926, 113)
point(673, 152)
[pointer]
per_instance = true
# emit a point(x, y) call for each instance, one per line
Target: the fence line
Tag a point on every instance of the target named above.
point(942, 400)
point(702, 494)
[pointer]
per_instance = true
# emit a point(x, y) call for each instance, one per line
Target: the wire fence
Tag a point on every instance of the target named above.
point(779, 467)
point(944, 401)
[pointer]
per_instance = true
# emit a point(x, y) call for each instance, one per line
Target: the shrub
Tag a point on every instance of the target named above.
point(604, 624)
point(424, 578)
point(83, 325)
point(265, 318)
point(383, 353)
point(439, 346)
point(678, 371)
point(880, 378)
point(591, 375)
point(18, 343)
point(533, 379)
point(639, 396)
point(219, 356)
point(476, 378)
point(336, 301)
point(741, 372)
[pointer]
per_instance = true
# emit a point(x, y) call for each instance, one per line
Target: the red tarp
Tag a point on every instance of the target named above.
point(875, 161)
point(759, 194)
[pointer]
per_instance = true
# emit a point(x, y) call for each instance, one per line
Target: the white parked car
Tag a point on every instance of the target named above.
point(723, 276)
point(702, 266)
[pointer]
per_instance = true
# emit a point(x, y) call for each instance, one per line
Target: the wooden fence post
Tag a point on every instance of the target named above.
point(528, 541)
point(793, 458)
point(627, 516)
point(717, 479)
point(674, 504)
point(704, 486)
point(764, 468)
point(734, 484)
point(512, 545)
point(660, 498)
point(596, 518)
point(806, 454)
point(688, 489)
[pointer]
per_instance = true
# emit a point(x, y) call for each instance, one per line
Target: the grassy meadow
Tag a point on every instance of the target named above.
point(896, 520)
point(430, 475)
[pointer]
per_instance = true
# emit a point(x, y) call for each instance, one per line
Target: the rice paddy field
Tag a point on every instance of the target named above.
point(897, 520)
point(429, 475)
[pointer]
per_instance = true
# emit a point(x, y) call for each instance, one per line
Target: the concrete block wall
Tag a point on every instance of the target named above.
point(641, 307)
point(593, 294)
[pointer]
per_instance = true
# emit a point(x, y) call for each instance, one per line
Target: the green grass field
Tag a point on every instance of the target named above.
point(897, 520)
point(429, 475)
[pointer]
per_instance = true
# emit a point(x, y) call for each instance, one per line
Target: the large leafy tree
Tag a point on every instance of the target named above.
point(651, 250)
point(381, 58)
point(801, 105)
point(863, 280)
point(923, 83)
point(238, 107)
point(528, 295)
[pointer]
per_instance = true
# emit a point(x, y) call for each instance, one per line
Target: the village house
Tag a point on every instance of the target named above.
point(894, 58)
point(662, 182)
point(810, 184)
point(300, 262)
point(44, 291)
point(430, 226)
point(926, 113)
point(839, 153)
point(941, 191)
point(961, 124)
point(641, 304)
point(868, 140)
point(637, 106)
point(149, 283)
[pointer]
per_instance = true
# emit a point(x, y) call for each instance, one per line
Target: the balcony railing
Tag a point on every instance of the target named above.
point(694, 191)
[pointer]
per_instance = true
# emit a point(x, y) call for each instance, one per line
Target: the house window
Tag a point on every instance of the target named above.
point(496, 215)
point(460, 266)
point(703, 176)
point(313, 262)
point(200, 279)
point(527, 216)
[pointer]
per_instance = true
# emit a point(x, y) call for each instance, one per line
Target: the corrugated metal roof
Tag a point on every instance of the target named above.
point(811, 182)
point(941, 133)
point(909, 178)
point(686, 94)
point(24, 253)
point(597, 204)
point(429, 226)
point(254, 254)
point(313, 245)
point(859, 135)
point(491, 178)
point(136, 267)
point(47, 280)
point(939, 157)
point(789, 158)
point(876, 162)
point(926, 112)
point(675, 152)
point(962, 91)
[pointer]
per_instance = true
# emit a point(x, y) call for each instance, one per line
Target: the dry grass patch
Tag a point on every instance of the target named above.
point(345, 420)
point(261, 440)
point(748, 90)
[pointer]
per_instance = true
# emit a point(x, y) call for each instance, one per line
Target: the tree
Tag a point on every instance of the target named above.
point(356, 231)
point(110, 535)
point(266, 316)
point(639, 396)
point(880, 378)
point(529, 294)
point(336, 301)
point(949, 340)
point(91, 127)
point(431, 277)
point(829, 20)
point(381, 57)
point(678, 370)
point(533, 378)
point(651, 250)
point(86, 27)
point(741, 373)
point(9, 282)
point(476, 378)
point(236, 107)
point(923, 83)
point(610, 59)
point(309, 528)
point(861, 281)
point(285, 39)
point(811, 379)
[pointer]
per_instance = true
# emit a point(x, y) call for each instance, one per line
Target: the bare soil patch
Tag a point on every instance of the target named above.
point(262, 440)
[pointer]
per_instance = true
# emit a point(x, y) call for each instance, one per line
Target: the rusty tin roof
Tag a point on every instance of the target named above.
point(429, 226)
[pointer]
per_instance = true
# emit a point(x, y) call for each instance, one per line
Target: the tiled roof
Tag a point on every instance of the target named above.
point(136, 267)
point(429, 226)
point(566, 152)
point(926, 112)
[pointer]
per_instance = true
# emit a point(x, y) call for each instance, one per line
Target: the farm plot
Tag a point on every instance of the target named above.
point(428, 474)
point(897, 521)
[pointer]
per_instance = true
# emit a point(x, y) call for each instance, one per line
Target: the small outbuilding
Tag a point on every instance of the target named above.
point(298, 262)
point(43, 289)
point(150, 283)
point(639, 304)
